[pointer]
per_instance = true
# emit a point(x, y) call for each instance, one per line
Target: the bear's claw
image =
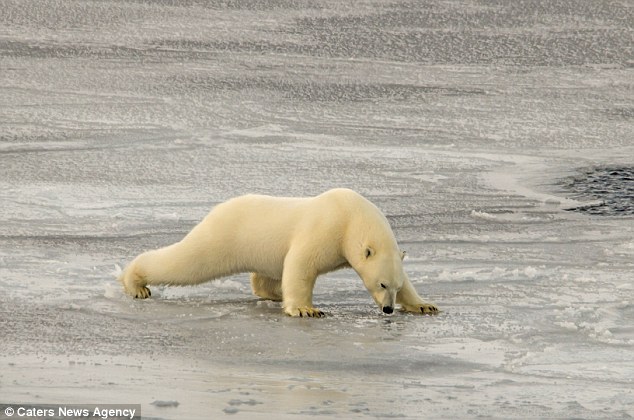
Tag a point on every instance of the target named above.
point(429, 309)
point(142, 292)
point(421, 308)
point(305, 312)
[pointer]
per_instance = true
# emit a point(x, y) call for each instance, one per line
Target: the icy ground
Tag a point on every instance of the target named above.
point(122, 122)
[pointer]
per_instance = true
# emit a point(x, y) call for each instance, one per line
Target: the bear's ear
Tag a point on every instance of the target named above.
point(369, 251)
point(403, 253)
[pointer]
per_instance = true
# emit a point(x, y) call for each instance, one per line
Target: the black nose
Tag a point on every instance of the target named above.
point(388, 309)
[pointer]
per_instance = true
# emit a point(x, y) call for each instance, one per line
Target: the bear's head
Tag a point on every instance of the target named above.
point(381, 270)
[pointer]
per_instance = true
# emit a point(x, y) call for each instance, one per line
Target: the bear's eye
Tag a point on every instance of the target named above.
point(383, 286)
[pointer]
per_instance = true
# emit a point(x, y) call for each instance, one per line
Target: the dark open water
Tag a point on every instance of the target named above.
point(613, 186)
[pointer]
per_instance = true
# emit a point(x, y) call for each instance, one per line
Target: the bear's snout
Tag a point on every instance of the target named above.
point(388, 309)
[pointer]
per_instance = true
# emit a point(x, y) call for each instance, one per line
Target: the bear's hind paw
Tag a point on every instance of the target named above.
point(142, 292)
point(305, 312)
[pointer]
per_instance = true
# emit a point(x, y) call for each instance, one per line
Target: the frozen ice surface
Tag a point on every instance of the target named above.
point(123, 122)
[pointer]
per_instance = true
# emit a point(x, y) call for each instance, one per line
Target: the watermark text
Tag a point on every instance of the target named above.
point(79, 411)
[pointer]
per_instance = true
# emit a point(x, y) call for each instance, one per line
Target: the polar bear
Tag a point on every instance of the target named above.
point(285, 243)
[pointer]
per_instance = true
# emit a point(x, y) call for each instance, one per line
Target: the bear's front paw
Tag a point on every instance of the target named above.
point(142, 292)
point(428, 308)
point(422, 308)
point(305, 312)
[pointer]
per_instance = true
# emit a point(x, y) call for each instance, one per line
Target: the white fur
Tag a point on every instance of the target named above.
point(285, 243)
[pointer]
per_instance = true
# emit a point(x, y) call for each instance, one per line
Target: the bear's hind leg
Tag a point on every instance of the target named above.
point(266, 287)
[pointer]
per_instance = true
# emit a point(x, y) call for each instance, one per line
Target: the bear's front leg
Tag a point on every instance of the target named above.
point(410, 301)
point(297, 290)
point(304, 312)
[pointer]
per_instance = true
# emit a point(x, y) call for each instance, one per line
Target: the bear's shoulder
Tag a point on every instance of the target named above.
point(343, 193)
